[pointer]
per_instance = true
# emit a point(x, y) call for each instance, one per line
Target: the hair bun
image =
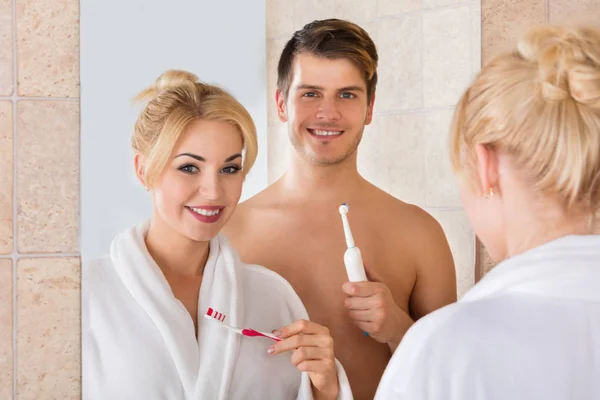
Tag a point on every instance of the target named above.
point(167, 80)
point(568, 62)
point(173, 78)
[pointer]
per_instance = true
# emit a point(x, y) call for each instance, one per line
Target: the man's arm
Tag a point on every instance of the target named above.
point(371, 304)
point(435, 284)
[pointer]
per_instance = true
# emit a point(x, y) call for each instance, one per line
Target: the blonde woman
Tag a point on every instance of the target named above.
point(144, 332)
point(526, 145)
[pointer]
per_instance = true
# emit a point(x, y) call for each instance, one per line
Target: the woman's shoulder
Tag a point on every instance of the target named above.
point(272, 287)
point(267, 279)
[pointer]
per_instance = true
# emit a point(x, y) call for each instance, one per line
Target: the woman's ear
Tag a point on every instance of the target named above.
point(139, 165)
point(487, 168)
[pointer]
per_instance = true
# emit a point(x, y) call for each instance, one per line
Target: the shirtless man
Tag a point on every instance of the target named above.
point(326, 91)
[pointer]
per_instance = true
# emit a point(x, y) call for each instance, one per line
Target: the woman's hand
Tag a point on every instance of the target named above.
point(312, 347)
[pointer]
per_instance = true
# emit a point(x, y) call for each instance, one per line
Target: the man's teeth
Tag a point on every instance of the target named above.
point(327, 133)
point(206, 213)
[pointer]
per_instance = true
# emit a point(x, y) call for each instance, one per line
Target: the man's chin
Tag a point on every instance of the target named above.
point(329, 160)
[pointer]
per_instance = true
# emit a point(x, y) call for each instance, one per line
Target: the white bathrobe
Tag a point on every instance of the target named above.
point(529, 330)
point(139, 341)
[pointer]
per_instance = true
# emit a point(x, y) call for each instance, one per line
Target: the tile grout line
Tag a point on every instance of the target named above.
point(14, 205)
point(18, 256)
point(377, 19)
point(34, 98)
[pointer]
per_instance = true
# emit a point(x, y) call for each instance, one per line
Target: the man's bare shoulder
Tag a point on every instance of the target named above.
point(262, 201)
point(401, 215)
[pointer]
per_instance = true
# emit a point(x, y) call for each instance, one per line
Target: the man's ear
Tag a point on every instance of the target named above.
point(369, 118)
point(281, 107)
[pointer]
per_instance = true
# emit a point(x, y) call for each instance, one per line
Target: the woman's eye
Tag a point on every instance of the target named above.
point(189, 169)
point(233, 169)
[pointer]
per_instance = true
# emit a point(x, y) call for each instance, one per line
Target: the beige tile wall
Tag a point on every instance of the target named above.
point(425, 63)
point(423, 68)
point(6, 177)
point(39, 200)
point(48, 328)
point(503, 22)
point(6, 48)
point(6, 329)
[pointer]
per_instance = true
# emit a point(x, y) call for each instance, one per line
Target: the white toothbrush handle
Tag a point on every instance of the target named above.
point(354, 265)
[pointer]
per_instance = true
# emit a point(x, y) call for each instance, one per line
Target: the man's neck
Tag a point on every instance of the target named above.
point(307, 182)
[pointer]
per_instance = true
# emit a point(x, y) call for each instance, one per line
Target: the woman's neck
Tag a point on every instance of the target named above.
point(536, 224)
point(174, 253)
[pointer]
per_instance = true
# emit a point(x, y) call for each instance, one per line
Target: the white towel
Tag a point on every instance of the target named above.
point(139, 340)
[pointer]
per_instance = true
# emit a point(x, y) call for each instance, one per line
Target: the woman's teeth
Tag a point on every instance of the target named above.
point(206, 213)
point(327, 133)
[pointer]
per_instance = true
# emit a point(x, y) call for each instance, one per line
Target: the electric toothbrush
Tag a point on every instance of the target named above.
point(352, 257)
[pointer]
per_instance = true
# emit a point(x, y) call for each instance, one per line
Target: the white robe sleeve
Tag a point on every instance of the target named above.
point(345, 392)
point(433, 362)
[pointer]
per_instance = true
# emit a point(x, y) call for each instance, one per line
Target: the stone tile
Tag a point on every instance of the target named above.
point(370, 160)
point(274, 48)
point(400, 44)
point(574, 11)
point(279, 151)
point(447, 55)
point(441, 185)
point(462, 243)
point(403, 152)
point(48, 48)
point(503, 22)
point(6, 48)
point(280, 18)
point(428, 4)
point(306, 11)
point(48, 176)
point(386, 8)
point(6, 177)
point(486, 263)
point(476, 39)
point(357, 11)
point(6, 330)
point(48, 328)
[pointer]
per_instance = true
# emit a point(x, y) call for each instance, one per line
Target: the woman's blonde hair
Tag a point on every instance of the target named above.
point(173, 101)
point(541, 105)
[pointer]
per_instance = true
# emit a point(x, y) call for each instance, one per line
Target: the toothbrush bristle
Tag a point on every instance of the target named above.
point(216, 315)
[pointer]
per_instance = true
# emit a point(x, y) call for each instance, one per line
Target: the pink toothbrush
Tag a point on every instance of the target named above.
point(214, 315)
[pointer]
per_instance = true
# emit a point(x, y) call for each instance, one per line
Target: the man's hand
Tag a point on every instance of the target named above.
point(371, 306)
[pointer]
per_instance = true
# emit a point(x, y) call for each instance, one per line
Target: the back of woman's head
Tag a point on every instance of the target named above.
point(172, 102)
point(540, 104)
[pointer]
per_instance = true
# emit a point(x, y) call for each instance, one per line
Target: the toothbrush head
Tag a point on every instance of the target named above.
point(212, 314)
point(344, 209)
